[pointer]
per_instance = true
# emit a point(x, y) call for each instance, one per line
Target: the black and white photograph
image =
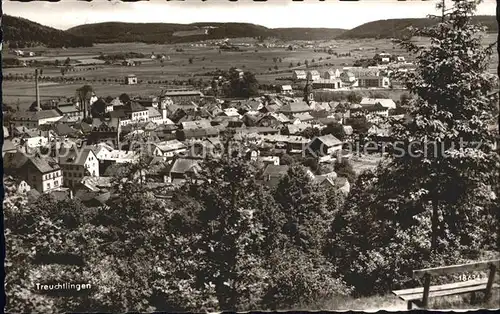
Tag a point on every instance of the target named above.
point(239, 156)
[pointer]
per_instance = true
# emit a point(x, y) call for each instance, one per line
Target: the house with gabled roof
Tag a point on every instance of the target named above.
point(313, 75)
point(32, 119)
point(8, 147)
point(274, 173)
point(41, 173)
point(294, 108)
point(386, 102)
point(168, 149)
point(299, 75)
point(272, 119)
point(183, 168)
point(77, 163)
point(325, 145)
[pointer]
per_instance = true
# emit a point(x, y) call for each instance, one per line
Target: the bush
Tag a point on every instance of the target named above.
point(300, 280)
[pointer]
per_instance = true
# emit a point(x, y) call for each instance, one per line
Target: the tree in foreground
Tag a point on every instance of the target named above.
point(430, 203)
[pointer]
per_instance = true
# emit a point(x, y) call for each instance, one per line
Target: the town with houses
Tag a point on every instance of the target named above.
point(220, 166)
point(72, 149)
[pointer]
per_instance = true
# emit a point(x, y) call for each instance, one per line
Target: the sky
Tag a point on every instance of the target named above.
point(273, 13)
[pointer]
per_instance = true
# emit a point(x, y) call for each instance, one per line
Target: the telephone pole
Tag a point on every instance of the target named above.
point(442, 10)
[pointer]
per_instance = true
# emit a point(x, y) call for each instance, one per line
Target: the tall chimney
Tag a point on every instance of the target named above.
point(37, 91)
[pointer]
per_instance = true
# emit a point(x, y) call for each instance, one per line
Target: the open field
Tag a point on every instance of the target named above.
point(24, 91)
point(205, 59)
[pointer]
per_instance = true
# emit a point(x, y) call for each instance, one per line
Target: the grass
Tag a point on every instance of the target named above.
point(393, 303)
point(205, 59)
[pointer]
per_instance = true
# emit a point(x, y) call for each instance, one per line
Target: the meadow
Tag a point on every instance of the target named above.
point(108, 79)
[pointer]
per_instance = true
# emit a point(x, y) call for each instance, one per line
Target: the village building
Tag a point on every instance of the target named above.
point(272, 120)
point(131, 79)
point(299, 75)
point(331, 74)
point(327, 84)
point(326, 145)
point(41, 173)
point(8, 147)
point(150, 101)
point(69, 111)
point(295, 107)
point(286, 89)
point(313, 75)
point(183, 95)
point(197, 133)
point(273, 173)
point(33, 119)
point(77, 163)
point(386, 102)
point(155, 116)
point(373, 82)
point(168, 149)
point(181, 169)
point(136, 113)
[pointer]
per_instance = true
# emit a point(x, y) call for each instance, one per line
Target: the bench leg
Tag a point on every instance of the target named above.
point(473, 298)
point(409, 305)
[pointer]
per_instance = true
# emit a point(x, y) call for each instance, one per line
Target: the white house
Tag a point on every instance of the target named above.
point(299, 75)
point(386, 102)
point(131, 79)
point(286, 89)
point(332, 74)
point(168, 149)
point(313, 75)
point(77, 163)
point(33, 119)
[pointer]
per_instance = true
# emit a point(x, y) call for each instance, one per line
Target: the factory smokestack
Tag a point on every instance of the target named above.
point(37, 91)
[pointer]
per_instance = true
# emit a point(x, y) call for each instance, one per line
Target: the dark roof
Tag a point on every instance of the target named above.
point(295, 107)
point(44, 165)
point(329, 140)
point(33, 194)
point(83, 126)
point(134, 106)
point(200, 132)
point(63, 129)
point(14, 160)
point(60, 195)
point(182, 93)
point(66, 109)
point(340, 181)
point(257, 130)
point(182, 165)
point(35, 115)
point(274, 170)
point(8, 145)
point(93, 197)
point(197, 124)
point(72, 158)
point(120, 113)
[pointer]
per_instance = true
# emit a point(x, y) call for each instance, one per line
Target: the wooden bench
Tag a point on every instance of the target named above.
point(420, 296)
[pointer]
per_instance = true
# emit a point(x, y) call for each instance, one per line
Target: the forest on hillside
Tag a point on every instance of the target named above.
point(20, 33)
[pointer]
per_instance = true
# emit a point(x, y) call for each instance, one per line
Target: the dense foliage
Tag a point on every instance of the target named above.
point(21, 33)
point(397, 28)
point(217, 244)
point(165, 32)
point(430, 203)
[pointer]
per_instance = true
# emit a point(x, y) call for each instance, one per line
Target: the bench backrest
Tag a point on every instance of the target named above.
point(439, 271)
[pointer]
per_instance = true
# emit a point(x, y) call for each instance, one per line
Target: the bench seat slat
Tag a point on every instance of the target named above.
point(445, 292)
point(439, 271)
point(442, 287)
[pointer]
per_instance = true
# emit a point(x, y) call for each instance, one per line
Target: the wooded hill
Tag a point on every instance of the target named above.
point(396, 28)
point(164, 33)
point(19, 33)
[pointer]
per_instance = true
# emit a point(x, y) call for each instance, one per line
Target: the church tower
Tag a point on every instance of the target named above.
point(308, 93)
